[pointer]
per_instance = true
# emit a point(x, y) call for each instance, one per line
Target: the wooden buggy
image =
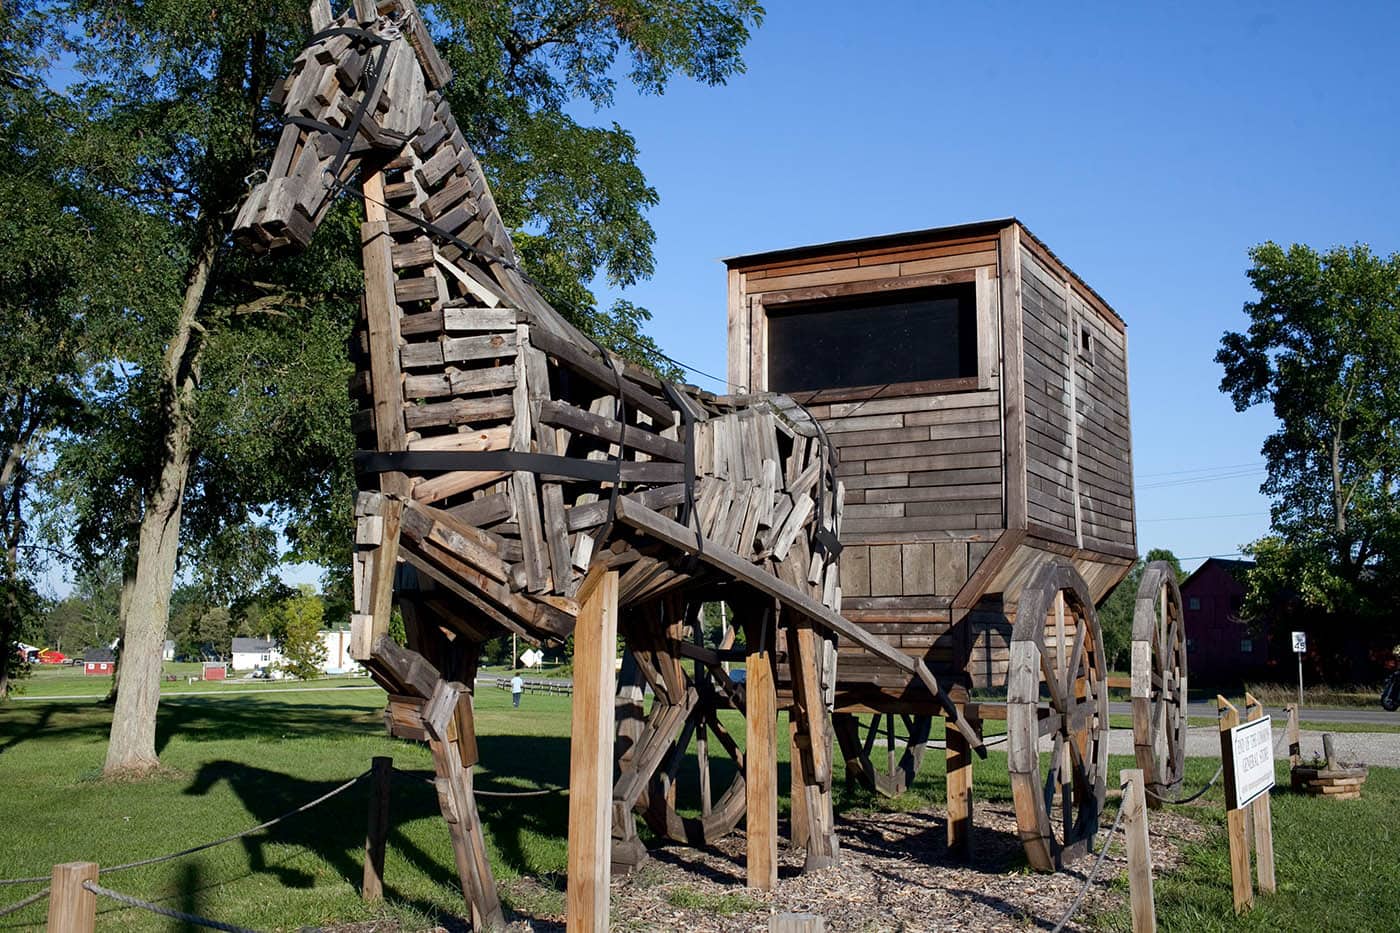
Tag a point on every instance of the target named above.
point(976, 391)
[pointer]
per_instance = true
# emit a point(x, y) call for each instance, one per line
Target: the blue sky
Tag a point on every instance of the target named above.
point(1149, 147)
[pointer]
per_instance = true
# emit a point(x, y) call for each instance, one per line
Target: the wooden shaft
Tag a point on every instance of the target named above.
point(1262, 828)
point(591, 753)
point(1240, 884)
point(798, 797)
point(381, 776)
point(72, 908)
point(959, 792)
point(1139, 851)
point(761, 756)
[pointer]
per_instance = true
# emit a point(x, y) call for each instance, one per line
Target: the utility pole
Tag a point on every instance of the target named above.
point(512, 651)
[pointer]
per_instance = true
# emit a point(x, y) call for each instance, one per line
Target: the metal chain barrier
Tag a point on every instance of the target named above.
point(1093, 873)
point(173, 914)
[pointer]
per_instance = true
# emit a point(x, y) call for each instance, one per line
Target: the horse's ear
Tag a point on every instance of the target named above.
point(320, 15)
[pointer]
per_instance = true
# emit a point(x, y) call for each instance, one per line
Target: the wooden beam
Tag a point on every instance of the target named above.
point(761, 755)
point(583, 363)
point(72, 907)
point(377, 832)
point(1240, 883)
point(678, 536)
point(959, 793)
point(1144, 910)
point(591, 753)
point(1261, 812)
point(1013, 382)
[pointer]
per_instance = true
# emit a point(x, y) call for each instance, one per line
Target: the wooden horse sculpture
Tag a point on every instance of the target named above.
point(518, 471)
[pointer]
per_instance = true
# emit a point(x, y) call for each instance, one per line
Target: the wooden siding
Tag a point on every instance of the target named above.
point(1045, 333)
point(1105, 440)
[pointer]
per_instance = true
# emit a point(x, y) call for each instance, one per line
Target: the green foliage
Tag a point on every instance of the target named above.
point(296, 623)
point(1117, 608)
point(1323, 351)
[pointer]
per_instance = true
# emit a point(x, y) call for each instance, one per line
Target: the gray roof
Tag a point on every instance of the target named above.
point(99, 654)
point(252, 645)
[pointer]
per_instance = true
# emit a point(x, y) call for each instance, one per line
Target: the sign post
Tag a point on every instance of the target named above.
point(1247, 758)
point(1300, 648)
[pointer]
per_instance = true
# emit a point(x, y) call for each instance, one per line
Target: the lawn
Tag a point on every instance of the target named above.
point(59, 680)
point(233, 761)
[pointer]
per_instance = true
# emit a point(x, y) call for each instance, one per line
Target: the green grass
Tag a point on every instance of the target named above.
point(1337, 864)
point(233, 761)
point(69, 680)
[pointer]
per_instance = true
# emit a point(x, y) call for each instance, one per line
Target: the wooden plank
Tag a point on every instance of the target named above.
point(1261, 813)
point(761, 756)
point(377, 832)
point(886, 570)
point(1144, 912)
point(682, 538)
point(591, 754)
point(1013, 381)
point(581, 362)
point(958, 768)
point(1241, 886)
point(564, 415)
point(72, 907)
point(957, 272)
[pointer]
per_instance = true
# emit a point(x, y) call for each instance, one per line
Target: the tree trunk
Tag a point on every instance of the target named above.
point(132, 749)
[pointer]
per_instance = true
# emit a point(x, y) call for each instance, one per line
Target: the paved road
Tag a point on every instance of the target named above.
point(1376, 716)
point(1372, 748)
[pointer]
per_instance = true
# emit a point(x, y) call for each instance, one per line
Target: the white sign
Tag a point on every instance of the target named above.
point(532, 657)
point(1300, 642)
point(1252, 753)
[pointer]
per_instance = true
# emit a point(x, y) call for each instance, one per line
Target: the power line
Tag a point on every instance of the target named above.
point(1196, 481)
point(1201, 518)
point(1211, 469)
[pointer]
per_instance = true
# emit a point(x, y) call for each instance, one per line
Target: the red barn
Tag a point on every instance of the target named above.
point(99, 662)
point(1220, 646)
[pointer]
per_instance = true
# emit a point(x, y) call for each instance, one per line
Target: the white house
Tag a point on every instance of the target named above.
point(252, 653)
point(337, 660)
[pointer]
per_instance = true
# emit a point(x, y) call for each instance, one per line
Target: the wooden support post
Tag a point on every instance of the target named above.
point(1261, 813)
point(1235, 820)
point(796, 923)
point(458, 804)
point(591, 753)
point(1295, 744)
point(761, 754)
point(1139, 851)
point(381, 775)
point(72, 907)
point(798, 796)
point(959, 787)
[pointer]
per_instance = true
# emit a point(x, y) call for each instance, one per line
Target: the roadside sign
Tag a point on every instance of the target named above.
point(1300, 642)
point(532, 657)
point(1251, 762)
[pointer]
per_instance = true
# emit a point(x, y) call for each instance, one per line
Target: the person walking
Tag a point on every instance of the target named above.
point(517, 687)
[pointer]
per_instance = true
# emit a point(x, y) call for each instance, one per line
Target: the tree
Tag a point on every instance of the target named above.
point(1323, 351)
point(1117, 608)
point(296, 626)
point(175, 93)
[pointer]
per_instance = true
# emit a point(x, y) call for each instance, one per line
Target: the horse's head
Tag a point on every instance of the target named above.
point(356, 91)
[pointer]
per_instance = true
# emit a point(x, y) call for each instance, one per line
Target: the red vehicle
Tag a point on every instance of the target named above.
point(49, 656)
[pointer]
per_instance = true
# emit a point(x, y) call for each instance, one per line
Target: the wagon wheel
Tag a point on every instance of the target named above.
point(865, 756)
point(1159, 679)
point(670, 764)
point(1057, 643)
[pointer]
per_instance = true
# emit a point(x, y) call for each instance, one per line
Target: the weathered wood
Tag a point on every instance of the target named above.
point(591, 752)
point(72, 908)
point(380, 786)
point(1261, 813)
point(958, 770)
point(1143, 906)
point(1241, 886)
point(761, 754)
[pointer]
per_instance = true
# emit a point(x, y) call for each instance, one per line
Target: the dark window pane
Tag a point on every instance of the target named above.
point(910, 336)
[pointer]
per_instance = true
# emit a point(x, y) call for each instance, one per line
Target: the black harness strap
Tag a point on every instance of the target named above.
point(508, 461)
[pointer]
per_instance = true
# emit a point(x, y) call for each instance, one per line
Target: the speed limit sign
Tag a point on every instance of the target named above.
point(1300, 642)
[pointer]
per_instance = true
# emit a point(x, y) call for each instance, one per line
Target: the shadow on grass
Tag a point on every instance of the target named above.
point(334, 830)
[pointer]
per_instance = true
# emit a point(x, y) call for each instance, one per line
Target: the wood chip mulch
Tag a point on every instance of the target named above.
point(896, 874)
